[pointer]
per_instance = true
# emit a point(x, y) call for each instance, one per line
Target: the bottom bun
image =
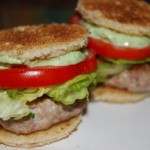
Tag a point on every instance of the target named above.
point(114, 95)
point(40, 138)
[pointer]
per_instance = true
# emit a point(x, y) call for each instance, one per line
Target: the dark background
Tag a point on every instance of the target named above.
point(25, 12)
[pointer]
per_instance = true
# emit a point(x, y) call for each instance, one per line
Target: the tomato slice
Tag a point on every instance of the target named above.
point(44, 76)
point(116, 52)
point(99, 47)
point(75, 19)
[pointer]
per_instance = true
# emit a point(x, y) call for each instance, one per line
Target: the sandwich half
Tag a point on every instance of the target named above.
point(45, 72)
point(120, 38)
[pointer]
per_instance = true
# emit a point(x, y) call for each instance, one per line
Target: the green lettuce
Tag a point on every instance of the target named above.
point(105, 70)
point(73, 89)
point(13, 102)
point(9, 107)
point(115, 66)
point(128, 62)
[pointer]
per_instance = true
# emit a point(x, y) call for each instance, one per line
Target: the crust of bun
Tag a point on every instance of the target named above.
point(41, 41)
point(126, 16)
point(40, 138)
point(113, 95)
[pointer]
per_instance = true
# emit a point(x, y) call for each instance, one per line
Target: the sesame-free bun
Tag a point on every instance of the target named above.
point(41, 41)
point(126, 16)
point(40, 138)
point(113, 95)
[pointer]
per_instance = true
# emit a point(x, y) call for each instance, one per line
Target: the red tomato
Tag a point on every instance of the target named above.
point(107, 50)
point(44, 76)
point(75, 19)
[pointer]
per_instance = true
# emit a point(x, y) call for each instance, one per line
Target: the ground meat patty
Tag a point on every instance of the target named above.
point(135, 79)
point(47, 113)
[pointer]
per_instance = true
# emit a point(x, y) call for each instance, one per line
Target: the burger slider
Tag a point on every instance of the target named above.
point(120, 38)
point(45, 72)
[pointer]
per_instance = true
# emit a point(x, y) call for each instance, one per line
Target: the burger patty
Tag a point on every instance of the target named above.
point(47, 113)
point(135, 79)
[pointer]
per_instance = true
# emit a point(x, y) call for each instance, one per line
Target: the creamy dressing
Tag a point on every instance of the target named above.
point(67, 59)
point(70, 58)
point(10, 60)
point(116, 38)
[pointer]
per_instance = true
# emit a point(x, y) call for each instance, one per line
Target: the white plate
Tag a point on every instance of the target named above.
point(108, 127)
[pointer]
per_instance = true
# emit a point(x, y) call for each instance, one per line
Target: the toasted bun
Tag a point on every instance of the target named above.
point(40, 138)
point(114, 95)
point(126, 16)
point(32, 42)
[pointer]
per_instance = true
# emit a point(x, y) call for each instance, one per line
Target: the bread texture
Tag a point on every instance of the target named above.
point(125, 16)
point(40, 138)
point(113, 95)
point(41, 41)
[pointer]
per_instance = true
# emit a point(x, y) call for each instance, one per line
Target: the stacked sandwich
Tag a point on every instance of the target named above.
point(120, 38)
point(45, 72)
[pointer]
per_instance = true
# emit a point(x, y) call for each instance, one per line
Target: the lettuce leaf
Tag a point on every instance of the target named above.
point(9, 107)
point(105, 70)
point(115, 66)
point(73, 89)
point(13, 102)
point(128, 62)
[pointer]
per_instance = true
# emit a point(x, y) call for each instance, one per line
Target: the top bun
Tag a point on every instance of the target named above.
point(126, 16)
point(41, 41)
